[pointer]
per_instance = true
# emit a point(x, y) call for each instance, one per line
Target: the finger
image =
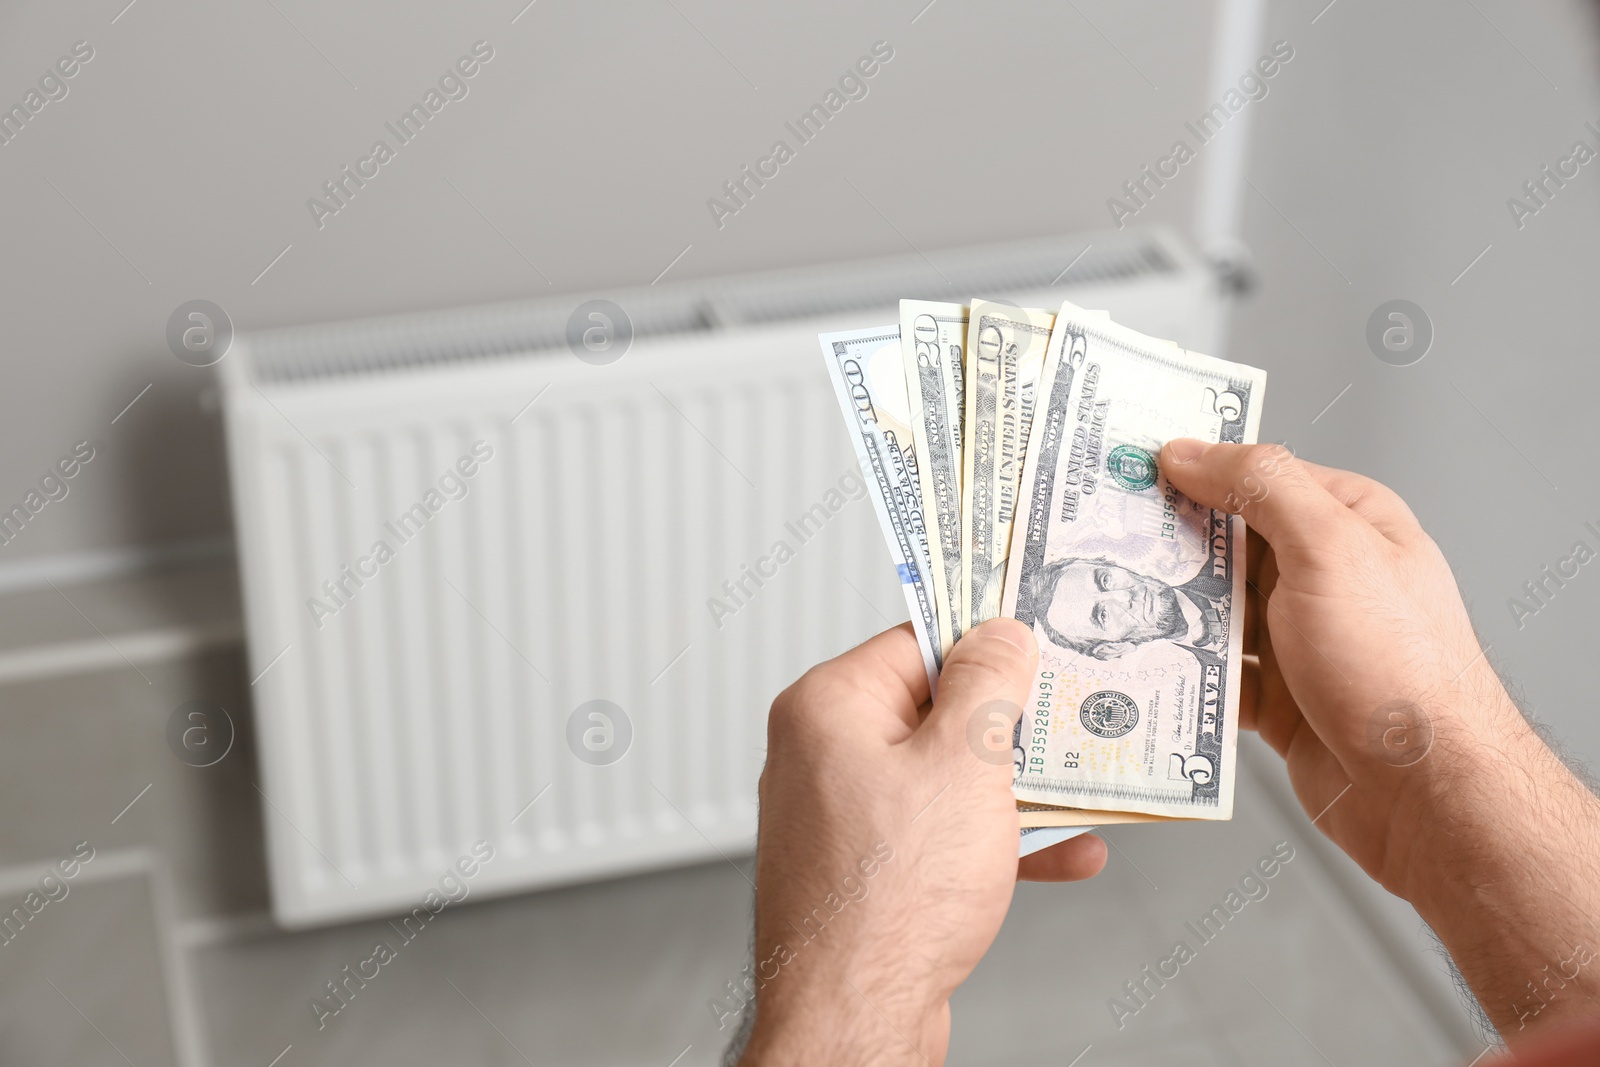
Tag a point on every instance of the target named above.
point(1261, 577)
point(1266, 484)
point(1277, 717)
point(885, 672)
point(1249, 691)
point(991, 667)
point(1257, 553)
point(1071, 861)
point(1254, 597)
point(1255, 632)
point(1368, 498)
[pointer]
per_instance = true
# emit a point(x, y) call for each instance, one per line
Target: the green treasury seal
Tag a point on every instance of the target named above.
point(1132, 467)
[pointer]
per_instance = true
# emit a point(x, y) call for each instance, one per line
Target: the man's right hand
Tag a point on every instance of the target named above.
point(1366, 654)
point(1400, 740)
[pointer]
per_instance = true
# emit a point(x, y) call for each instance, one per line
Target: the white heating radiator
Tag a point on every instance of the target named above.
point(417, 703)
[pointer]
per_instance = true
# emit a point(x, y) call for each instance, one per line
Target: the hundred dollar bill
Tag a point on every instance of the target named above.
point(1005, 354)
point(1130, 587)
point(933, 337)
point(868, 373)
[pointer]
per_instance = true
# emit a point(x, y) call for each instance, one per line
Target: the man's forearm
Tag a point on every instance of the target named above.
point(836, 1024)
point(1504, 865)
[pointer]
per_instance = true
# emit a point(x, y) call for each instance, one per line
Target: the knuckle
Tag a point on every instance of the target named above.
point(1423, 546)
point(1379, 505)
point(1271, 455)
point(795, 711)
point(780, 719)
point(1258, 458)
point(820, 678)
point(1259, 471)
point(1282, 465)
point(1344, 532)
point(1395, 507)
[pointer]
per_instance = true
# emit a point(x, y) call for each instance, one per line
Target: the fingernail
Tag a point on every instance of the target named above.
point(1185, 450)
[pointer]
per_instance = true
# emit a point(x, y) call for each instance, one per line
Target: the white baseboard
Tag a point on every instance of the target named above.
point(98, 654)
point(78, 568)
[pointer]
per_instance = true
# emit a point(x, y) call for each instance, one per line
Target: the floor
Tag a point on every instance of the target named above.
point(621, 972)
point(162, 943)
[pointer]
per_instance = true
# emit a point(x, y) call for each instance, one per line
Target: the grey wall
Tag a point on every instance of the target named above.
point(1392, 152)
point(582, 157)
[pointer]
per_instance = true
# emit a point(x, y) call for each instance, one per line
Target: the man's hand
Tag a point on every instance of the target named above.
point(1364, 673)
point(887, 853)
point(1366, 657)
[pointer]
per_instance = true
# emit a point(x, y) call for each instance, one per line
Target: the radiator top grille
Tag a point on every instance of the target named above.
point(403, 342)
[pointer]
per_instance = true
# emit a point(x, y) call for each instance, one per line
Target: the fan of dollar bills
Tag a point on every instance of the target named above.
point(1011, 455)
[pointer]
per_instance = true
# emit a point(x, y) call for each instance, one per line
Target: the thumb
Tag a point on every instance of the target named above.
point(1275, 492)
point(987, 674)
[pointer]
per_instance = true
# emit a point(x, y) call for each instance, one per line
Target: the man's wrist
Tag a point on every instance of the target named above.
point(1497, 846)
point(842, 1028)
point(1465, 799)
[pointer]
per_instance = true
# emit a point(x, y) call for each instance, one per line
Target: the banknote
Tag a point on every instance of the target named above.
point(1042, 816)
point(1131, 588)
point(1005, 354)
point(933, 338)
point(867, 369)
point(1038, 838)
